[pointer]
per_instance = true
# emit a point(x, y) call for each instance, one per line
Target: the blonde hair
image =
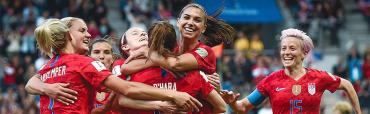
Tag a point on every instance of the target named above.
point(343, 107)
point(51, 36)
point(68, 20)
point(306, 42)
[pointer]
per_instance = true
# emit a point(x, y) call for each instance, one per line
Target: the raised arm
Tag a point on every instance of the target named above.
point(135, 66)
point(183, 62)
point(141, 91)
point(348, 88)
point(58, 91)
point(219, 105)
point(244, 105)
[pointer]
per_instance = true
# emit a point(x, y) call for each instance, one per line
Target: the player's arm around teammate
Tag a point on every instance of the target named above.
point(134, 90)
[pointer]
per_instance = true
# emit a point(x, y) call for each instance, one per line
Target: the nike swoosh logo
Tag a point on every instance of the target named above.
point(279, 89)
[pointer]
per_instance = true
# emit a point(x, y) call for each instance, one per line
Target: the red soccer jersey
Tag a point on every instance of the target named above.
point(193, 84)
point(206, 58)
point(101, 96)
point(288, 96)
point(116, 69)
point(82, 73)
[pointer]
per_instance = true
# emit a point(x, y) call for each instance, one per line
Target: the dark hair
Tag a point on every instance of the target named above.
point(99, 40)
point(162, 38)
point(217, 31)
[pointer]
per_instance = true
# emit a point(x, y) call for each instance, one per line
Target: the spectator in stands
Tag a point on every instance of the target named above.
point(366, 65)
point(242, 42)
point(14, 39)
point(260, 70)
point(256, 46)
point(93, 30)
point(354, 66)
point(340, 68)
point(10, 21)
point(28, 42)
point(99, 10)
point(104, 27)
point(30, 12)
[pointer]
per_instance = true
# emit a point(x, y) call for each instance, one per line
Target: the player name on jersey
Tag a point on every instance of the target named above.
point(168, 86)
point(55, 72)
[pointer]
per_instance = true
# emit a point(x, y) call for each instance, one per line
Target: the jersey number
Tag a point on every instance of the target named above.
point(294, 104)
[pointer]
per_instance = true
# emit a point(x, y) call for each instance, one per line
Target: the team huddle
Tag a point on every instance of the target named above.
point(158, 74)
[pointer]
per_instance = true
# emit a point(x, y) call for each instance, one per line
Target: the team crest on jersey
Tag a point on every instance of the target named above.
point(296, 89)
point(98, 65)
point(100, 96)
point(116, 70)
point(311, 88)
point(202, 52)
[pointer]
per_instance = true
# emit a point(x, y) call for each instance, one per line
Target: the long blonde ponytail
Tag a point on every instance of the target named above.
point(51, 36)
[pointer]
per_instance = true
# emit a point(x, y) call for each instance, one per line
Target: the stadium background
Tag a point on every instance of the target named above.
point(340, 30)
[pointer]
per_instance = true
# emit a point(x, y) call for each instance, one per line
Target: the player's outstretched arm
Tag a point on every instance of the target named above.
point(183, 62)
point(58, 91)
point(141, 91)
point(241, 106)
point(348, 88)
point(164, 106)
point(219, 105)
point(135, 66)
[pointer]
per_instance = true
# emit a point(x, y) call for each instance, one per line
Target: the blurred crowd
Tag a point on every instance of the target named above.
point(355, 67)
point(320, 18)
point(241, 68)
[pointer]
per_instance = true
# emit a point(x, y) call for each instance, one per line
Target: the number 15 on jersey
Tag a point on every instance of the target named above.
point(295, 104)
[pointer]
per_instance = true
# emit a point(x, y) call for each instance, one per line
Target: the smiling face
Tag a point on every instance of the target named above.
point(191, 23)
point(102, 51)
point(291, 52)
point(135, 38)
point(80, 38)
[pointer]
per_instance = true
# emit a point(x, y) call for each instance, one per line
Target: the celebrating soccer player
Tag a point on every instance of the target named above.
point(294, 89)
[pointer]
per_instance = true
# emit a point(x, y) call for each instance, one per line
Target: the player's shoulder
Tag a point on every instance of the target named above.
point(203, 46)
point(316, 72)
point(119, 62)
point(204, 51)
point(78, 57)
point(276, 74)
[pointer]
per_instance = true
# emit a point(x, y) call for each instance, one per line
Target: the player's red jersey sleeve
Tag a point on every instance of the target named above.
point(264, 86)
point(206, 59)
point(330, 81)
point(116, 68)
point(94, 72)
point(261, 87)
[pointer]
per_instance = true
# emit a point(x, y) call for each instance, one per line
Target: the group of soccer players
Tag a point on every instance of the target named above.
point(74, 83)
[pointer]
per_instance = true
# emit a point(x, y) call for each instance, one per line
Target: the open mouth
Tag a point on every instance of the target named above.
point(188, 29)
point(288, 59)
point(142, 39)
point(86, 41)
